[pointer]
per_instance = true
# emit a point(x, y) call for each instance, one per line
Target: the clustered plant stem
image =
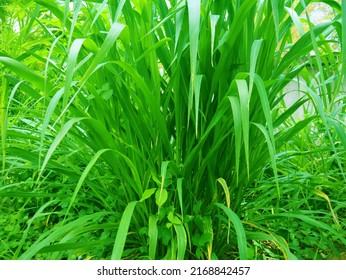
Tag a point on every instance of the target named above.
point(159, 130)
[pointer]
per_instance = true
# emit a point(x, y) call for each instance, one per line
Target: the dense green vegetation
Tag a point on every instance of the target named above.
point(159, 129)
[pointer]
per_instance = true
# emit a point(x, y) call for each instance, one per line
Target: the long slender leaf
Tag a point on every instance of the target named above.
point(120, 239)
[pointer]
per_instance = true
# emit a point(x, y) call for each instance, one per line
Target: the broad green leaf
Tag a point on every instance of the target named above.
point(161, 197)
point(173, 218)
point(147, 194)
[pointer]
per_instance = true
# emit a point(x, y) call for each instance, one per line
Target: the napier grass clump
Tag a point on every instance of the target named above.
point(160, 130)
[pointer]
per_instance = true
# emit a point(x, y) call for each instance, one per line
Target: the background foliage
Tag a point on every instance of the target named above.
point(161, 130)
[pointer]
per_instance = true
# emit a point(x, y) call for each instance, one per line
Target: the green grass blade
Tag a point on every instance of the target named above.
point(25, 233)
point(119, 9)
point(181, 241)
point(272, 153)
point(255, 48)
point(340, 130)
point(237, 120)
point(76, 11)
point(213, 21)
point(228, 202)
point(278, 240)
point(244, 99)
point(180, 195)
point(226, 191)
point(83, 177)
point(112, 36)
point(313, 222)
point(67, 246)
point(25, 72)
point(54, 8)
point(3, 121)
point(57, 141)
point(343, 45)
point(194, 7)
point(49, 113)
point(55, 234)
point(71, 65)
point(241, 235)
point(275, 8)
point(197, 87)
point(122, 231)
point(153, 236)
